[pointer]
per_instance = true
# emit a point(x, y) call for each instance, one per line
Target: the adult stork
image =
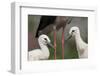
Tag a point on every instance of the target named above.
point(53, 23)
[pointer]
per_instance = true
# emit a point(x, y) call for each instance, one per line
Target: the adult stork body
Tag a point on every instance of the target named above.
point(81, 46)
point(53, 23)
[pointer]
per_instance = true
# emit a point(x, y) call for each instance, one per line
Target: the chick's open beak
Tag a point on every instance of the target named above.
point(50, 45)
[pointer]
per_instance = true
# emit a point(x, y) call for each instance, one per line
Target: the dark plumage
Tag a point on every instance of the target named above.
point(44, 22)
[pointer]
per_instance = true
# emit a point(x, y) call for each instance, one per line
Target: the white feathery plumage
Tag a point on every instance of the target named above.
point(42, 53)
point(82, 47)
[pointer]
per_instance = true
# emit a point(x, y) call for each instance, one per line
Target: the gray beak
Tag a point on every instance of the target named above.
point(50, 45)
point(69, 37)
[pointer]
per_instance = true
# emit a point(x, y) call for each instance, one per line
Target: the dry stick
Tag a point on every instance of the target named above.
point(54, 44)
point(63, 43)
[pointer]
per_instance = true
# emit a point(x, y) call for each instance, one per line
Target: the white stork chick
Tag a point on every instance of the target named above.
point(82, 47)
point(42, 53)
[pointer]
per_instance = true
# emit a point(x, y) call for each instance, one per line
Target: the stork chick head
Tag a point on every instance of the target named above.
point(74, 31)
point(44, 40)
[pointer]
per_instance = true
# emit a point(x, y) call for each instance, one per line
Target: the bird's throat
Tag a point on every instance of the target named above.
point(45, 50)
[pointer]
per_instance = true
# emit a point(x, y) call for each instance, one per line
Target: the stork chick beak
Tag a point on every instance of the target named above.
point(50, 45)
point(69, 37)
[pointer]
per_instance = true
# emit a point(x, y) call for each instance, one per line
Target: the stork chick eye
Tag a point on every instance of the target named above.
point(45, 39)
point(73, 30)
